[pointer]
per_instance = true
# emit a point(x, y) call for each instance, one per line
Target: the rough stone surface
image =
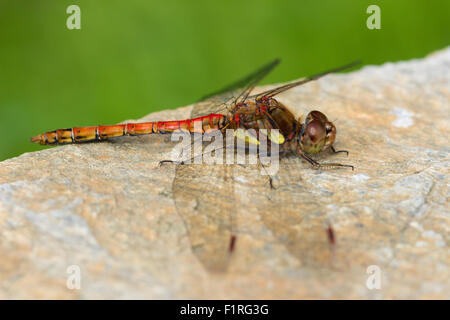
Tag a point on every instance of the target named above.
point(135, 233)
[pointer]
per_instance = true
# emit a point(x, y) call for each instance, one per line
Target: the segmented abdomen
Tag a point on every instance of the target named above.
point(84, 134)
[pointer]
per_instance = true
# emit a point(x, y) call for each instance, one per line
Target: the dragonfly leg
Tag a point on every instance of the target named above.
point(271, 183)
point(316, 164)
point(170, 161)
point(270, 177)
point(182, 161)
point(338, 151)
point(191, 160)
point(267, 173)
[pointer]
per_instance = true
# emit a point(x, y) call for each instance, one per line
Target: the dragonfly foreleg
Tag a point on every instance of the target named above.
point(338, 151)
point(316, 164)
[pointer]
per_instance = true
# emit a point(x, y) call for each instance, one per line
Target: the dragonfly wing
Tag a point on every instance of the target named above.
point(206, 201)
point(204, 194)
point(223, 100)
point(273, 92)
point(204, 198)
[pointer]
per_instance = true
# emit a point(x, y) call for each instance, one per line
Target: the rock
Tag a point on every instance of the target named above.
point(138, 230)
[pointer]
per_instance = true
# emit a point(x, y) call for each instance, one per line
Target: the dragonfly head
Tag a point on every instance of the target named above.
point(317, 133)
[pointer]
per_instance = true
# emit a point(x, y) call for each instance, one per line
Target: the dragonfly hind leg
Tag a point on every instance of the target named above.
point(191, 160)
point(170, 161)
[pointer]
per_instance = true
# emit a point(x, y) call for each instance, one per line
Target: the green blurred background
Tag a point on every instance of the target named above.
point(134, 57)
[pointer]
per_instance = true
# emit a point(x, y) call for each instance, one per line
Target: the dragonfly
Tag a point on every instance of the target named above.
point(260, 111)
point(234, 107)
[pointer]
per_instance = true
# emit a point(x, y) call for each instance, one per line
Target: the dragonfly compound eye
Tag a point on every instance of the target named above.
point(316, 115)
point(314, 136)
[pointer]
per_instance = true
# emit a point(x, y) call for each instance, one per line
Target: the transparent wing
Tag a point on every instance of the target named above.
point(273, 92)
point(206, 200)
point(204, 194)
point(222, 100)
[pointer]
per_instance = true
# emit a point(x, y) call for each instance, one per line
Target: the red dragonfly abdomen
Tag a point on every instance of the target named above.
point(84, 134)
